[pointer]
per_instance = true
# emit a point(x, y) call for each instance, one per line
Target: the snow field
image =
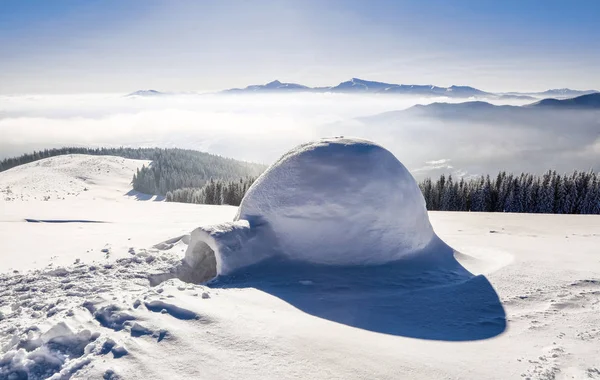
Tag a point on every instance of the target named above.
point(72, 176)
point(552, 313)
point(125, 315)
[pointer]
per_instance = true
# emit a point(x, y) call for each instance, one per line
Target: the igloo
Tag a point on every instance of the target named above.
point(335, 201)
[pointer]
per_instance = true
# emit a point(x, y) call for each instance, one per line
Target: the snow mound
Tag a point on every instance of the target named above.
point(335, 201)
point(71, 176)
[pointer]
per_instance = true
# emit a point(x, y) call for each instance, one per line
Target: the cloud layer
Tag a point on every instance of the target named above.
point(262, 127)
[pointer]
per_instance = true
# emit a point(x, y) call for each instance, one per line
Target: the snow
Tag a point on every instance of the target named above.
point(77, 176)
point(335, 201)
point(106, 317)
point(121, 218)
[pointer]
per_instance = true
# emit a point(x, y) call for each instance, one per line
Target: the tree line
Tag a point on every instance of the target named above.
point(551, 193)
point(214, 192)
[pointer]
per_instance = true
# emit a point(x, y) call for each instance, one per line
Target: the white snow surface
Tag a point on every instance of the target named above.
point(334, 201)
point(106, 219)
point(95, 316)
point(77, 176)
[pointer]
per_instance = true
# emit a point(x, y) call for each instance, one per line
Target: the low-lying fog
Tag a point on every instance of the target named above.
point(262, 127)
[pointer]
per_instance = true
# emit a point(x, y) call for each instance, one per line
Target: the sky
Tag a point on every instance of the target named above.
point(114, 46)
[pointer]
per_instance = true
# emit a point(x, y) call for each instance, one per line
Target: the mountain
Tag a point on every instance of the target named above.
point(274, 86)
point(583, 102)
point(429, 90)
point(465, 91)
point(465, 110)
point(561, 93)
point(541, 112)
point(565, 93)
point(589, 101)
point(357, 85)
point(146, 93)
point(465, 106)
point(362, 86)
point(516, 97)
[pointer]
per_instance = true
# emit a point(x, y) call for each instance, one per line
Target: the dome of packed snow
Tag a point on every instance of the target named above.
point(336, 201)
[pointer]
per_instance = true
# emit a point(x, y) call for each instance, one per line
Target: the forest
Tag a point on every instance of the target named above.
point(215, 192)
point(551, 193)
point(176, 169)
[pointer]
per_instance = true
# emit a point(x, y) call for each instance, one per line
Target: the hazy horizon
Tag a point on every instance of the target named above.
point(262, 127)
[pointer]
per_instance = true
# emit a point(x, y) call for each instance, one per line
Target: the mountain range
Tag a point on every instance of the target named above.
point(356, 85)
point(543, 111)
point(361, 86)
point(583, 102)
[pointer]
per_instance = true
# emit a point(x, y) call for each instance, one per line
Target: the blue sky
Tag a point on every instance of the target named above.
point(119, 46)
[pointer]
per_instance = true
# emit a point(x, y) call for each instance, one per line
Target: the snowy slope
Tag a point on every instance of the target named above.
point(91, 198)
point(77, 176)
point(102, 318)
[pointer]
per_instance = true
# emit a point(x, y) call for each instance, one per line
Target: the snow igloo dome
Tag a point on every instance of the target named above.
point(335, 201)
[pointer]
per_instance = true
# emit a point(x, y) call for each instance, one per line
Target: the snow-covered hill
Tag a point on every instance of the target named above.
point(71, 176)
point(94, 300)
point(91, 198)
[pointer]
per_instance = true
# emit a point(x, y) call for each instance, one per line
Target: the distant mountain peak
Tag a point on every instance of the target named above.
point(465, 87)
point(145, 93)
point(272, 86)
point(473, 105)
point(566, 92)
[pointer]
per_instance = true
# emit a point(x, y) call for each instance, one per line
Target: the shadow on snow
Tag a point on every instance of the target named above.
point(144, 197)
point(430, 296)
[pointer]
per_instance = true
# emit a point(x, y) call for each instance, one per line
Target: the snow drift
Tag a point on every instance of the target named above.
point(335, 201)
